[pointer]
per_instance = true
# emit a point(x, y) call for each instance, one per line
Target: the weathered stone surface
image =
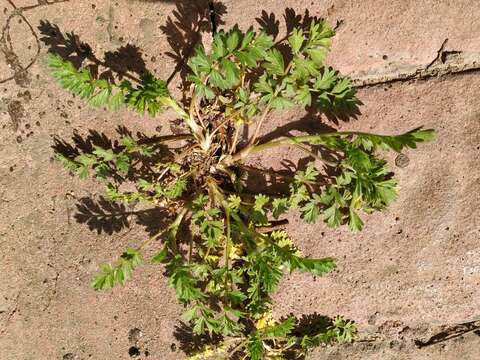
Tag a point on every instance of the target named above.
point(376, 36)
point(414, 267)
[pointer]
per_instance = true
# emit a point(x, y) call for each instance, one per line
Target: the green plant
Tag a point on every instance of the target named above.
point(235, 258)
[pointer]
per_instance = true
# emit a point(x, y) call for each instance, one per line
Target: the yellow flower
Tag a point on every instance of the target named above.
point(235, 251)
point(265, 321)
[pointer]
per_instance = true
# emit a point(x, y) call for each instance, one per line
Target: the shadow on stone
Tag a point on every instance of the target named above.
point(125, 62)
point(189, 342)
point(185, 27)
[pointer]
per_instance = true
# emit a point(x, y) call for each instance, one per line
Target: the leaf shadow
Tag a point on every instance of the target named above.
point(184, 30)
point(189, 342)
point(104, 216)
point(100, 214)
point(124, 62)
point(308, 325)
point(87, 143)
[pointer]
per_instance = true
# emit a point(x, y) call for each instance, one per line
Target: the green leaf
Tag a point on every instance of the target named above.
point(86, 160)
point(217, 80)
point(190, 314)
point(387, 191)
point(298, 194)
point(274, 62)
point(229, 327)
point(333, 216)
point(398, 142)
point(104, 154)
point(269, 275)
point(255, 347)
point(182, 281)
point(69, 164)
point(212, 231)
point(236, 297)
point(280, 330)
point(341, 86)
point(296, 40)
point(248, 57)
point(311, 211)
point(116, 101)
point(304, 68)
point(81, 83)
point(326, 81)
point(281, 103)
point(263, 85)
point(317, 267)
point(247, 39)
point(149, 96)
point(218, 47)
point(263, 42)
point(120, 272)
point(318, 55)
point(201, 90)
point(233, 39)
point(232, 73)
point(359, 159)
point(355, 223)
point(309, 175)
point(200, 63)
point(260, 202)
point(176, 190)
point(279, 207)
point(122, 162)
point(290, 256)
point(161, 256)
point(343, 330)
point(234, 202)
point(304, 96)
point(100, 98)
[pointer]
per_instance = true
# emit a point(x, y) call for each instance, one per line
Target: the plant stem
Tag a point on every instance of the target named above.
point(317, 139)
point(148, 241)
point(166, 138)
point(304, 149)
point(197, 111)
point(259, 125)
point(188, 118)
point(173, 229)
point(237, 348)
point(227, 244)
point(235, 140)
point(274, 225)
point(296, 140)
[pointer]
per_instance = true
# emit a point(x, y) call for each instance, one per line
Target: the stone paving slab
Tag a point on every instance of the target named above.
point(376, 36)
point(414, 268)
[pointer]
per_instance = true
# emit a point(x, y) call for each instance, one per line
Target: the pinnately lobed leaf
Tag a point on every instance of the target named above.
point(118, 273)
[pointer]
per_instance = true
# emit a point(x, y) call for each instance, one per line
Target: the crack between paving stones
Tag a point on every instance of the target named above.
point(439, 54)
point(438, 67)
point(10, 315)
point(422, 74)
